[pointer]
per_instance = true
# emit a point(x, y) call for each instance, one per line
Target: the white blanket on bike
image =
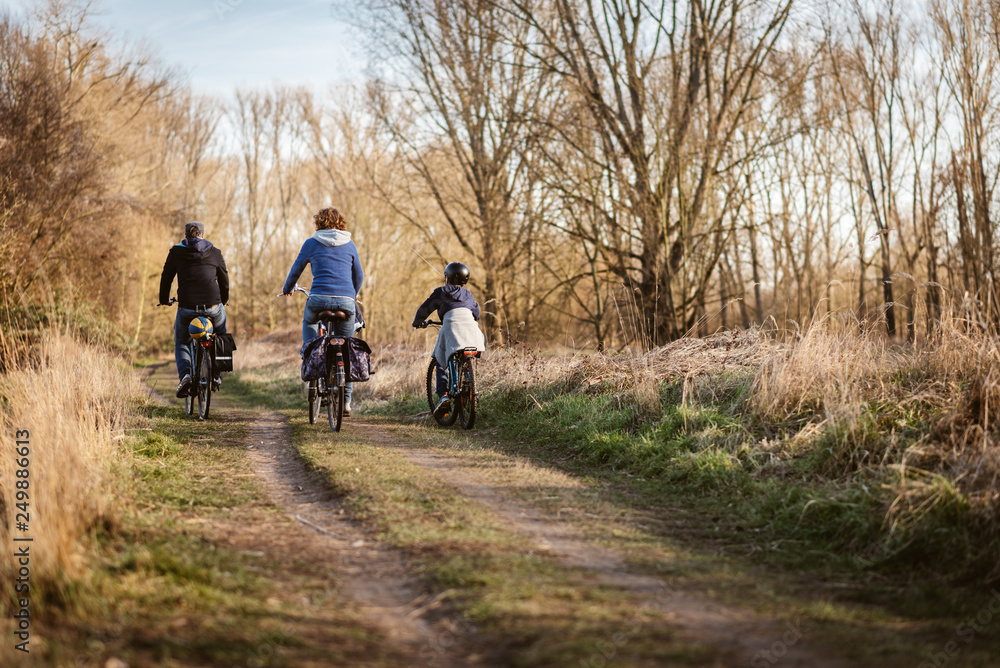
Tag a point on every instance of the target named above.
point(458, 330)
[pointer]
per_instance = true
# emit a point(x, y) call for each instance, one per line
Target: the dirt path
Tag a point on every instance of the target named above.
point(401, 606)
point(745, 638)
point(373, 576)
point(323, 541)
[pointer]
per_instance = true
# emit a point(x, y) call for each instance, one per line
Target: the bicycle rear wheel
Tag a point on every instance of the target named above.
point(465, 402)
point(335, 403)
point(204, 381)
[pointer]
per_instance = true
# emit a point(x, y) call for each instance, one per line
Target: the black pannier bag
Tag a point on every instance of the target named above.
point(359, 360)
point(225, 344)
point(314, 358)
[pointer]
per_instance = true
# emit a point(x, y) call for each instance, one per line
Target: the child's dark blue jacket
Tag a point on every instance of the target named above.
point(444, 299)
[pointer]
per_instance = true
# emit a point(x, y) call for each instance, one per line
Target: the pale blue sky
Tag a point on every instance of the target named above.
point(221, 44)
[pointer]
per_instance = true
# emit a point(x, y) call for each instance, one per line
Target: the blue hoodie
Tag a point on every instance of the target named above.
point(336, 265)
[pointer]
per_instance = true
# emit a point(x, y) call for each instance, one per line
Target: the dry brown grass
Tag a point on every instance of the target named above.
point(76, 403)
point(277, 348)
point(725, 352)
point(861, 382)
point(398, 370)
point(926, 417)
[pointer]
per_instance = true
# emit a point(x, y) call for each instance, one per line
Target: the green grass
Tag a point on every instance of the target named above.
point(176, 578)
point(277, 387)
point(822, 495)
point(807, 509)
point(767, 516)
point(532, 607)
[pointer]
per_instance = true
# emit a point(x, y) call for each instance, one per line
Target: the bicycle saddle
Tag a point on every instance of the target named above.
point(333, 315)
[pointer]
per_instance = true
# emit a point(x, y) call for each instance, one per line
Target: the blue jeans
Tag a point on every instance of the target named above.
point(310, 318)
point(182, 339)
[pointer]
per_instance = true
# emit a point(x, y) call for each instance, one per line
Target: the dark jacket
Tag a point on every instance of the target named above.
point(444, 299)
point(202, 277)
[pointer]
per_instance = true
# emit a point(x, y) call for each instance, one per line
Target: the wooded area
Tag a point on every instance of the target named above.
point(616, 173)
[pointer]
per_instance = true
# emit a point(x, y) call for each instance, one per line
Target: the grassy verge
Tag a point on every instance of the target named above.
point(770, 488)
point(538, 610)
point(493, 587)
point(779, 516)
point(532, 609)
point(191, 567)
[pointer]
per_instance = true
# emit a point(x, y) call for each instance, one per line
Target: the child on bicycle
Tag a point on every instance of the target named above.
point(459, 312)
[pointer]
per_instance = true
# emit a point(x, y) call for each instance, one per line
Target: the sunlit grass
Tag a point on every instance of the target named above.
point(75, 406)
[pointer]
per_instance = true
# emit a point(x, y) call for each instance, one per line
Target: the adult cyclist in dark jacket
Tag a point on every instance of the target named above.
point(202, 290)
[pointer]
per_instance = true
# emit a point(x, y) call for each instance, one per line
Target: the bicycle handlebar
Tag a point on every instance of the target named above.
point(425, 323)
point(295, 289)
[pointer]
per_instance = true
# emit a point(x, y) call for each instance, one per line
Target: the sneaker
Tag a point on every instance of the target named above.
point(217, 383)
point(347, 408)
point(443, 407)
point(184, 387)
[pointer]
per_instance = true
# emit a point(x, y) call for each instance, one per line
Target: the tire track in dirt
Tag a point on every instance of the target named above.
point(374, 577)
point(742, 636)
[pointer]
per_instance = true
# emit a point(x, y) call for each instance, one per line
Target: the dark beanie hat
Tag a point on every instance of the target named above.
point(194, 227)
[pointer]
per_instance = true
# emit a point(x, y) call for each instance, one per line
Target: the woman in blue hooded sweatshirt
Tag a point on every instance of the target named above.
point(337, 278)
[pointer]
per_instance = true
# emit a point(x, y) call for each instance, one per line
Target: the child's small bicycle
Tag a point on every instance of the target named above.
point(461, 374)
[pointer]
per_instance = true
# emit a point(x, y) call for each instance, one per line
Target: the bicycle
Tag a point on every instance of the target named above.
point(330, 388)
point(202, 372)
point(461, 374)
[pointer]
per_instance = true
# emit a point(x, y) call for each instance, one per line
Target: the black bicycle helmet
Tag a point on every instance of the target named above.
point(456, 273)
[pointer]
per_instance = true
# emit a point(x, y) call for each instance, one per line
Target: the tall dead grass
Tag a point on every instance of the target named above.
point(953, 382)
point(76, 403)
point(924, 419)
point(917, 426)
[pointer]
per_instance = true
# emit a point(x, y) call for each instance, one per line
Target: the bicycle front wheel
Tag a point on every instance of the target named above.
point(188, 398)
point(465, 402)
point(431, 382)
point(432, 398)
point(204, 380)
point(335, 404)
point(315, 400)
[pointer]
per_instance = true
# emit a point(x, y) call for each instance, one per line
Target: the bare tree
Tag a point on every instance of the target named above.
point(666, 87)
point(67, 105)
point(470, 99)
point(969, 70)
point(269, 172)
